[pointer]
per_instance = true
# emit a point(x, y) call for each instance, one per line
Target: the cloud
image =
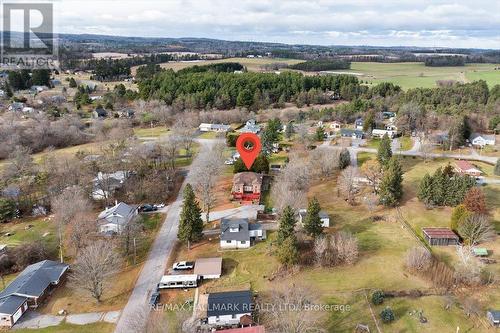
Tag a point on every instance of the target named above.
point(369, 22)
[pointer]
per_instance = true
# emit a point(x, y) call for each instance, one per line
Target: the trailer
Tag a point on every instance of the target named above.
point(178, 281)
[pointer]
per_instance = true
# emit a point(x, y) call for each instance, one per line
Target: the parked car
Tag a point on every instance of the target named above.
point(229, 162)
point(148, 208)
point(182, 265)
point(154, 299)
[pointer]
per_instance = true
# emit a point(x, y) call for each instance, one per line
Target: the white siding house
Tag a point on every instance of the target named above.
point(238, 233)
point(325, 218)
point(116, 218)
point(227, 308)
point(482, 140)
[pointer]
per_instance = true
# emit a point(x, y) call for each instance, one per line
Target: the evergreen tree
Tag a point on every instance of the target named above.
point(344, 159)
point(289, 131)
point(287, 224)
point(425, 190)
point(40, 77)
point(7, 210)
point(312, 224)
point(458, 215)
point(190, 223)
point(384, 152)
point(287, 252)
point(320, 134)
point(8, 90)
point(387, 315)
point(391, 186)
point(72, 83)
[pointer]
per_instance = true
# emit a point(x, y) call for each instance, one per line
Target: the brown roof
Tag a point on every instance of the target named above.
point(247, 178)
point(464, 165)
point(439, 233)
point(208, 266)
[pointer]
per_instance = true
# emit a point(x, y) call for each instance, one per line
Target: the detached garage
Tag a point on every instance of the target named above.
point(440, 236)
point(208, 268)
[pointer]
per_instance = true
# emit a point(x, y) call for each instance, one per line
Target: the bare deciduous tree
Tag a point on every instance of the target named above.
point(324, 162)
point(468, 269)
point(205, 171)
point(476, 229)
point(320, 248)
point(346, 247)
point(169, 147)
point(94, 268)
point(418, 259)
point(289, 312)
point(347, 184)
point(291, 185)
point(372, 170)
point(68, 207)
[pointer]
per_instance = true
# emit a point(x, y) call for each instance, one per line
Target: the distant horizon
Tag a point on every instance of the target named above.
point(404, 23)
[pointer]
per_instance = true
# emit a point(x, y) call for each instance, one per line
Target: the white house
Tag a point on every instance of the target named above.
point(336, 125)
point(251, 126)
point(325, 218)
point(105, 183)
point(116, 218)
point(205, 127)
point(379, 133)
point(28, 109)
point(481, 140)
point(228, 308)
point(238, 233)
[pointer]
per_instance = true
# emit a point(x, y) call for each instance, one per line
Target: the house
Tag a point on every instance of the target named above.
point(99, 113)
point(465, 168)
point(114, 219)
point(106, 183)
point(38, 89)
point(208, 268)
point(28, 109)
point(29, 289)
point(249, 329)
point(358, 124)
point(237, 233)
point(388, 115)
point(481, 140)
point(247, 186)
point(391, 127)
point(95, 98)
point(250, 127)
point(325, 218)
point(379, 133)
point(229, 308)
point(178, 281)
point(336, 126)
point(494, 317)
point(350, 133)
point(127, 113)
point(205, 127)
point(16, 107)
point(440, 236)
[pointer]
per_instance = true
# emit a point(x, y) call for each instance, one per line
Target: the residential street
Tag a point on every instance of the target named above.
point(155, 265)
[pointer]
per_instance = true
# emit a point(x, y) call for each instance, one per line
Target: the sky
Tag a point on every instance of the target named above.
point(464, 23)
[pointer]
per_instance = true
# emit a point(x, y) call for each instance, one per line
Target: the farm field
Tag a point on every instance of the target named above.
point(252, 64)
point(413, 75)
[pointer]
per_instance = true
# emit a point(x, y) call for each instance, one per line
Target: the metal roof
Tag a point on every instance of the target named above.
point(439, 233)
point(118, 214)
point(229, 303)
point(178, 278)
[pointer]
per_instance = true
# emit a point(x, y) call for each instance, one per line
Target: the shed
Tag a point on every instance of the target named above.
point(480, 252)
point(208, 268)
point(440, 236)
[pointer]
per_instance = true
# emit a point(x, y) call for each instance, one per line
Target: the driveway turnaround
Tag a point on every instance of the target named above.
point(35, 320)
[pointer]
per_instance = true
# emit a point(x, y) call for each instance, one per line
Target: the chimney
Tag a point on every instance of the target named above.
point(116, 202)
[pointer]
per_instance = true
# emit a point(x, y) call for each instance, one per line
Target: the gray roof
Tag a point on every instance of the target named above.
point(10, 304)
point(35, 278)
point(495, 314)
point(484, 136)
point(232, 223)
point(254, 226)
point(229, 303)
point(350, 132)
point(118, 214)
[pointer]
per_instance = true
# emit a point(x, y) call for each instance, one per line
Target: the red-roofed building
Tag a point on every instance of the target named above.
point(465, 168)
point(251, 329)
point(440, 236)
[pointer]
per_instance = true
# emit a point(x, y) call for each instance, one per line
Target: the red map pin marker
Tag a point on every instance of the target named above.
point(248, 145)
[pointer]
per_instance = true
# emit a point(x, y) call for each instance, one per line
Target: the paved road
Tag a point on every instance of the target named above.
point(156, 263)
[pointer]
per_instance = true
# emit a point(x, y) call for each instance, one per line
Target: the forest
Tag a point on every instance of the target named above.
point(322, 65)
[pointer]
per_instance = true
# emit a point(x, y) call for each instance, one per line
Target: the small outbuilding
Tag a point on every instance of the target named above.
point(440, 236)
point(208, 268)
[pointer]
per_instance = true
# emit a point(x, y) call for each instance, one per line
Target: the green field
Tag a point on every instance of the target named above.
point(413, 75)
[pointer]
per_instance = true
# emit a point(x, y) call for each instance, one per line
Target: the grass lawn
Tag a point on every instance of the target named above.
point(406, 142)
point(373, 143)
point(151, 132)
point(412, 74)
point(22, 233)
point(363, 157)
point(210, 135)
point(278, 158)
point(70, 328)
